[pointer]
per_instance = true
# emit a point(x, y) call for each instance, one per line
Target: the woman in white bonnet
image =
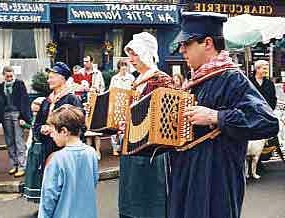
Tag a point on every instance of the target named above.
point(142, 191)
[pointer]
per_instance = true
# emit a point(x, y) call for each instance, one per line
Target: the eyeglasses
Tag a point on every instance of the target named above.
point(189, 42)
point(184, 44)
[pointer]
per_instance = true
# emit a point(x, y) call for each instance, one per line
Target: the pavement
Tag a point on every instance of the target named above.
point(264, 198)
point(108, 168)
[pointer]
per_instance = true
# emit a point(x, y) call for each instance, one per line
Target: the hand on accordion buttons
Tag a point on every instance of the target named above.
point(202, 116)
point(87, 107)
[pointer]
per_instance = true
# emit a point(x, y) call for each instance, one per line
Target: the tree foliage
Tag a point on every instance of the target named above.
point(39, 83)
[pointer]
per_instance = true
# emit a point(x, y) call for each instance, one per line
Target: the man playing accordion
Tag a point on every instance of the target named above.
point(208, 180)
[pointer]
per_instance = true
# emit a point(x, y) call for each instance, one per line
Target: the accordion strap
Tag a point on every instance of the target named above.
point(211, 135)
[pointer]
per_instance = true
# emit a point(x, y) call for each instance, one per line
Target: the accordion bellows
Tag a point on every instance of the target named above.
point(107, 110)
point(157, 121)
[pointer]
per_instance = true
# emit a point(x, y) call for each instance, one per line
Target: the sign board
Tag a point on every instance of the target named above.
point(123, 13)
point(14, 12)
point(237, 7)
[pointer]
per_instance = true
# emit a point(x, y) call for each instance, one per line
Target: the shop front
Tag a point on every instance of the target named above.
point(268, 8)
point(102, 30)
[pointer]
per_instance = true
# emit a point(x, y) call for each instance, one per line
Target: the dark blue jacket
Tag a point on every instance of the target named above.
point(20, 100)
point(208, 180)
point(41, 118)
point(267, 90)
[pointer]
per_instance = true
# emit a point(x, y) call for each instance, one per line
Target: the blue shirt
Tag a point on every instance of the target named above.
point(69, 184)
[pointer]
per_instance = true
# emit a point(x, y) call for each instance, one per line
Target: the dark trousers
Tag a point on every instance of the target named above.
point(14, 138)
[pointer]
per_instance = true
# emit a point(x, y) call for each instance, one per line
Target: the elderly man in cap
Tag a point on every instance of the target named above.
point(208, 180)
point(57, 77)
point(142, 190)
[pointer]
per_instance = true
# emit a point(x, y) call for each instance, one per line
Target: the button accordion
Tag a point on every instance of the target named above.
point(108, 109)
point(156, 123)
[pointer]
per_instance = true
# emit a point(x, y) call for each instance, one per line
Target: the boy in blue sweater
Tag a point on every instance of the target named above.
point(71, 174)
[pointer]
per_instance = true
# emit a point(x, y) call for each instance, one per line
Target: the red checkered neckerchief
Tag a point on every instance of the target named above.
point(216, 66)
point(53, 98)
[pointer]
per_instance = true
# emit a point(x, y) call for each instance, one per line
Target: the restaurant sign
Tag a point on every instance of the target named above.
point(123, 13)
point(24, 12)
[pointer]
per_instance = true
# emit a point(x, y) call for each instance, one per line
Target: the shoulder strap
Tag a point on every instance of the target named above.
point(211, 135)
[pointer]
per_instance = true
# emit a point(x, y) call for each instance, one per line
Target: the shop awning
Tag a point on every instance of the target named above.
point(247, 30)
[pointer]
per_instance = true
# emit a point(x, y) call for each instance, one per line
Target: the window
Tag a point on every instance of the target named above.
point(128, 36)
point(23, 44)
point(95, 50)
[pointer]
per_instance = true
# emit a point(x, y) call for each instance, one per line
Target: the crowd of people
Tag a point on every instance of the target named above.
point(206, 181)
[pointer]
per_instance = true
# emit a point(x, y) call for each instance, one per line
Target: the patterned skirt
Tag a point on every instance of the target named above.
point(34, 173)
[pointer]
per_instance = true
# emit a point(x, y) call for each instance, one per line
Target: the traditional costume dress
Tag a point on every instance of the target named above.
point(143, 183)
point(43, 145)
point(208, 181)
point(142, 188)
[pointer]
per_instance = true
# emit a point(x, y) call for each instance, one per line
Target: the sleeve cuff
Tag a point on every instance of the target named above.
point(221, 119)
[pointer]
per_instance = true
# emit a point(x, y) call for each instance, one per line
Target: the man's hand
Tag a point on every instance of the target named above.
point(122, 127)
point(202, 116)
point(45, 130)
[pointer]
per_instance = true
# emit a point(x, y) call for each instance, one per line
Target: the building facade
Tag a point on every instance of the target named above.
point(275, 53)
point(24, 33)
point(102, 28)
point(77, 29)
